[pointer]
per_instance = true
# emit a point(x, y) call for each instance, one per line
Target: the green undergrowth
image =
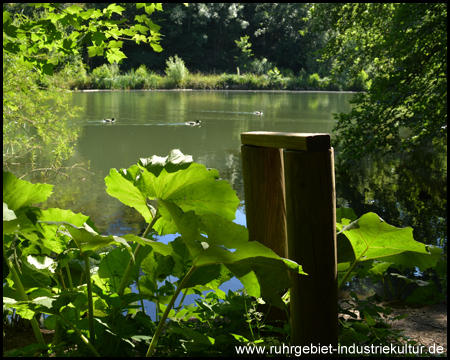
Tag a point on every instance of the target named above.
point(109, 77)
point(57, 264)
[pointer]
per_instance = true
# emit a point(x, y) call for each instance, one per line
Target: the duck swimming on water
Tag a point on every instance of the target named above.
point(109, 120)
point(193, 123)
point(258, 112)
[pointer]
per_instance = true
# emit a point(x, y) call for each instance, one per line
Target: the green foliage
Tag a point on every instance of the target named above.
point(64, 268)
point(34, 39)
point(275, 77)
point(106, 71)
point(372, 327)
point(166, 191)
point(403, 50)
point(35, 120)
point(176, 71)
point(260, 67)
point(243, 60)
point(142, 71)
point(369, 237)
point(314, 80)
point(361, 241)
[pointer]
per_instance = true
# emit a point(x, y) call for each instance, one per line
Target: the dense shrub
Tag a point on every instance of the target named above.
point(176, 70)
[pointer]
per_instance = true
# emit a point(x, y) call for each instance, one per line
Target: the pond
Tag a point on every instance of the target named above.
point(154, 122)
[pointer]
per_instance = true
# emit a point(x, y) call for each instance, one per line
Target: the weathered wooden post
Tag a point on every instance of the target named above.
point(263, 173)
point(307, 171)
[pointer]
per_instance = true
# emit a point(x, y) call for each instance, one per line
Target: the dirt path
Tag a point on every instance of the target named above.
point(427, 325)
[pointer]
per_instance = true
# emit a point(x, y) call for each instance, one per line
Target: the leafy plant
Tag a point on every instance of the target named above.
point(176, 71)
point(58, 264)
point(372, 326)
point(371, 238)
point(92, 26)
point(174, 195)
point(245, 47)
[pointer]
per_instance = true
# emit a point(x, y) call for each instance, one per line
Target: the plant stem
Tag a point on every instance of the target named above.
point(349, 271)
point(24, 297)
point(82, 337)
point(90, 302)
point(155, 338)
point(69, 276)
point(139, 291)
point(77, 311)
point(126, 274)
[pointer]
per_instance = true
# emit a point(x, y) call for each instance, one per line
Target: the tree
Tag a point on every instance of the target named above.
point(49, 37)
point(34, 120)
point(33, 40)
point(276, 30)
point(245, 46)
point(403, 49)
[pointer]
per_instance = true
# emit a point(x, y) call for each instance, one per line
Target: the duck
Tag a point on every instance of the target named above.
point(193, 123)
point(109, 120)
point(258, 112)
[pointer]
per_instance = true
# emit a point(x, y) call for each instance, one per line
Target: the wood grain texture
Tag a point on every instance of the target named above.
point(284, 140)
point(311, 234)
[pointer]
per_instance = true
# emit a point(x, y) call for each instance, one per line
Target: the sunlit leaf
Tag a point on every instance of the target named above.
point(19, 193)
point(115, 55)
point(373, 238)
point(262, 272)
point(48, 226)
point(85, 238)
point(192, 187)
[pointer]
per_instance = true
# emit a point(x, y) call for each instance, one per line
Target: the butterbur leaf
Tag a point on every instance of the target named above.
point(175, 161)
point(372, 238)
point(19, 193)
point(51, 305)
point(48, 226)
point(412, 259)
point(113, 266)
point(8, 214)
point(33, 272)
point(189, 185)
point(87, 240)
point(10, 221)
point(123, 186)
point(157, 266)
point(262, 272)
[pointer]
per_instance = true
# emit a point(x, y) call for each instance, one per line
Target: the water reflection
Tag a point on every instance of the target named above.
point(404, 190)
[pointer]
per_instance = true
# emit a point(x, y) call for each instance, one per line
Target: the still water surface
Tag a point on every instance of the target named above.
point(405, 190)
point(153, 123)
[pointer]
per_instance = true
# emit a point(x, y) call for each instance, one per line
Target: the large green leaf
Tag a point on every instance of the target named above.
point(10, 221)
point(412, 259)
point(372, 238)
point(19, 193)
point(48, 225)
point(189, 185)
point(113, 266)
point(175, 161)
point(49, 305)
point(8, 214)
point(35, 272)
point(212, 239)
point(87, 240)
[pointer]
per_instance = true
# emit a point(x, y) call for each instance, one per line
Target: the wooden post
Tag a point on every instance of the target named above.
point(311, 219)
point(309, 195)
point(263, 173)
